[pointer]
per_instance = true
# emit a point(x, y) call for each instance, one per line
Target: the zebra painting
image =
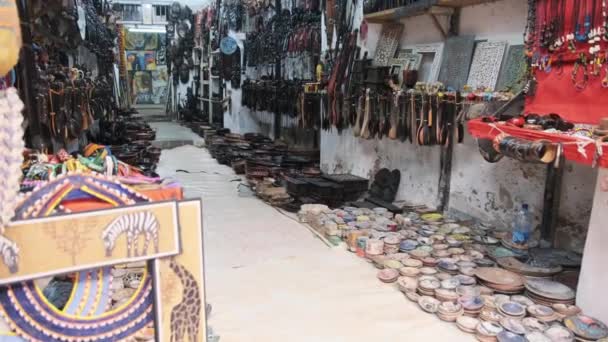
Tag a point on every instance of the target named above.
point(10, 254)
point(133, 225)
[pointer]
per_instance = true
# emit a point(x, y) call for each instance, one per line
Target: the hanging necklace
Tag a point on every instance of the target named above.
point(581, 36)
point(570, 37)
point(544, 28)
point(604, 29)
point(11, 148)
point(530, 30)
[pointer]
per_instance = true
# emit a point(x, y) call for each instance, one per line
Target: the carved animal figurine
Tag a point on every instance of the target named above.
point(10, 254)
point(134, 225)
point(186, 315)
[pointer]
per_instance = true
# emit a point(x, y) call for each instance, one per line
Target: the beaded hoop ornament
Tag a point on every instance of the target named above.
point(84, 318)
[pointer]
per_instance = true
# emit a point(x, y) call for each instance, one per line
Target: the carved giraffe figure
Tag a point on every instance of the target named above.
point(186, 315)
point(134, 225)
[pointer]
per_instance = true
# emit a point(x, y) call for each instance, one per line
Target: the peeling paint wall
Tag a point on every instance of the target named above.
point(490, 192)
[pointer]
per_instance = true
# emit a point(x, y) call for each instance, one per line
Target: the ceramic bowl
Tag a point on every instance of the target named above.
point(471, 303)
point(559, 333)
point(390, 263)
point(446, 295)
point(465, 279)
point(409, 271)
point(512, 309)
point(539, 311)
point(523, 300)
point(468, 291)
point(513, 325)
point(507, 336)
point(429, 284)
point(450, 284)
point(407, 284)
point(388, 275)
point(428, 304)
point(440, 246)
point(429, 261)
point(566, 310)
point(467, 324)
point(428, 270)
point(490, 315)
point(443, 276)
point(413, 296)
point(456, 251)
point(488, 328)
point(537, 336)
point(412, 263)
point(534, 324)
point(408, 245)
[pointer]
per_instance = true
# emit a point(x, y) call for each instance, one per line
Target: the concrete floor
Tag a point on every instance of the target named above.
point(270, 279)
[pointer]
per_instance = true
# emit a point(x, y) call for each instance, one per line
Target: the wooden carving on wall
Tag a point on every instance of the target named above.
point(457, 61)
point(387, 44)
point(432, 49)
point(486, 64)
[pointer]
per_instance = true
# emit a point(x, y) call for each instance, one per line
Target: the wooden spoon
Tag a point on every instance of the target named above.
point(358, 121)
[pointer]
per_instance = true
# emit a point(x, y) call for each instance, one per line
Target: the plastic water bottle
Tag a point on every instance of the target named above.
point(522, 225)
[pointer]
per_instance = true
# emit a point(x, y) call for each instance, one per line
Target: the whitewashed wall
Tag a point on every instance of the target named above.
point(490, 192)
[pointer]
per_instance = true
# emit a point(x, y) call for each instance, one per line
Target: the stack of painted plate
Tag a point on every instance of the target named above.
point(549, 292)
point(446, 295)
point(465, 280)
point(487, 331)
point(467, 324)
point(513, 325)
point(564, 310)
point(559, 333)
point(534, 324)
point(427, 286)
point(472, 305)
point(407, 284)
point(429, 304)
point(508, 336)
point(447, 267)
point(490, 315)
point(429, 261)
point(409, 271)
point(586, 328)
point(500, 280)
point(388, 275)
point(511, 309)
point(542, 313)
point(449, 311)
point(412, 263)
point(428, 271)
point(419, 254)
point(408, 245)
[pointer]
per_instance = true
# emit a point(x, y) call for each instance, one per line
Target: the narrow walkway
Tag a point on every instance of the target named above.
point(270, 279)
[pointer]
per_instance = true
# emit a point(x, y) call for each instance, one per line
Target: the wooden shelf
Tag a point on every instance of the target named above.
point(432, 7)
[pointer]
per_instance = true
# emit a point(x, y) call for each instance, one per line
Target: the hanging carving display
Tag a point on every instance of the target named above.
point(486, 64)
point(512, 75)
point(457, 61)
point(387, 44)
point(434, 51)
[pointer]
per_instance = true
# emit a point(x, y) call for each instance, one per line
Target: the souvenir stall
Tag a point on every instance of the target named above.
point(492, 281)
point(72, 226)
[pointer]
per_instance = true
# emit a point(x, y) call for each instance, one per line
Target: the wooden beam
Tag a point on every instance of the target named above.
point(438, 25)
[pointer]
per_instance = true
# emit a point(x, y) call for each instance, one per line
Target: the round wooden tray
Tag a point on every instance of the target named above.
point(549, 289)
point(499, 276)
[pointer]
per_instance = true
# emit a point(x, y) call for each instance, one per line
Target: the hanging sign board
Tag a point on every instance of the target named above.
point(67, 243)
